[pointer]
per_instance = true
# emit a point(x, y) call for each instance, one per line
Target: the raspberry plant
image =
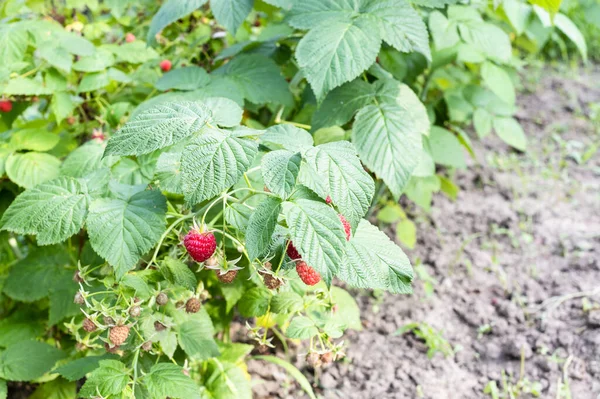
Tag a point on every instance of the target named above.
point(154, 190)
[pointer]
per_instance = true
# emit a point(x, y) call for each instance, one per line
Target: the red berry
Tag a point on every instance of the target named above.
point(308, 275)
point(130, 37)
point(165, 65)
point(200, 246)
point(5, 106)
point(292, 252)
point(328, 200)
point(346, 224)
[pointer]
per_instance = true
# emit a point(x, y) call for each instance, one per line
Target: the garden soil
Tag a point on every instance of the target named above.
point(516, 264)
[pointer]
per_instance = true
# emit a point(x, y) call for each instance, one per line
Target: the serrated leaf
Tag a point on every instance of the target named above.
point(317, 234)
point(25, 87)
point(238, 215)
point(488, 39)
point(55, 389)
point(170, 12)
point(286, 137)
point(391, 91)
point(62, 105)
point(228, 381)
point(179, 274)
point(348, 313)
point(342, 103)
point(28, 360)
point(121, 231)
point(225, 112)
point(310, 13)
point(371, 260)
point(279, 170)
point(511, 132)
point(136, 52)
point(169, 380)
point(109, 379)
point(255, 302)
point(261, 227)
point(54, 210)
point(138, 284)
point(186, 78)
point(301, 327)
point(34, 139)
point(342, 177)
point(445, 148)
point(13, 43)
point(31, 168)
point(56, 56)
point(62, 305)
point(77, 369)
point(93, 81)
point(168, 170)
point(231, 13)
point(19, 327)
point(337, 52)
point(388, 143)
point(195, 337)
point(96, 62)
point(258, 78)
point(286, 302)
point(86, 159)
point(157, 127)
point(214, 161)
point(33, 277)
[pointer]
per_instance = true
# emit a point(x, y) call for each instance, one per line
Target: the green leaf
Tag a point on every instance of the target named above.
point(228, 381)
point(317, 234)
point(75, 44)
point(93, 81)
point(301, 327)
point(33, 277)
point(3, 389)
point(96, 62)
point(77, 369)
point(400, 26)
point(62, 105)
point(133, 53)
point(371, 260)
point(225, 112)
point(258, 78)
point(138, 284)
point(170, 12)
point(388, 143)
point(406, 232)
point(482, 121)
point(511, 132)
point(254, 302)
point(570, 30)
point(55, 389)
point(337, 52)
point(179, 274)
point(56, 56)
point(286, 137)
point(214, 161)
point(157, 127)
point(62, 305)
point(25, 87)
point(54, 210)
point(231, 13)
point(31, 168)
point(393, 92)
point(186, 78)
point(13, 43)
point(337, 172)
point(110, 378)
point(348, 313)
point(286, 302)
point(261, 227)
point(34, 139)
point(195, 337)
point(279, 170)
point(121, 231)
point(445, 148)
point(488, 39)
point(19, 327)
point(87, 159)
point(168, 380)
point(498, 81)
point(293, 371)
point(552, 6)
point(168, 170)
point(28, 360)
point(342, 103)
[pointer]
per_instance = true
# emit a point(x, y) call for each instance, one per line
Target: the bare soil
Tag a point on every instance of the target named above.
point(516, 264)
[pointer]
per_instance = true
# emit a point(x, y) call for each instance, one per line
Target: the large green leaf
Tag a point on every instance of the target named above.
point(157, 127)
point(195, 336)
point(34, 139)
point(317, 234)
point(54, 210)
point(287, 137)
point(31, 168)
point(87, 159)
point(28, 360)
point(187, 78)
point(168, 170)
point(498, 81)
point(445, 148)
point(371, 260)
point(178, 273)
point(393, 92)
point(552, 6)
point(214, 161)
point(258, 78)
point(13, 43)
point(109, 379)
point(77, 369)
point(337, 52)
point(231, 13)
point(511, 132)
point(488, 39)
point(96, 62)
point(279, 170)
point(570, 30)
point(336, 171)
point(169, 12)
point(25, 87)
point(342, 103)
point(301, 327)
point(261, 227)
point(227, 381)
point(254, 302)
point(169, 380)
point(121, 231)
point(388, 142)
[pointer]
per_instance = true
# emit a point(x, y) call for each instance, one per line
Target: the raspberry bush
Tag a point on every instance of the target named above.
point(162, 178)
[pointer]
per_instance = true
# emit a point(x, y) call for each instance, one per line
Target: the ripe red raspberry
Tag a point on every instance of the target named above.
point(130, 37)
point(346, 224)
point(5, 106)
point(292, 252)
point(200, 246)
point(328, 200)
point(227, 277)
point(192, 305)
point(308, 275)
point(89, 325)
point(165, 65)
point(118, 335)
